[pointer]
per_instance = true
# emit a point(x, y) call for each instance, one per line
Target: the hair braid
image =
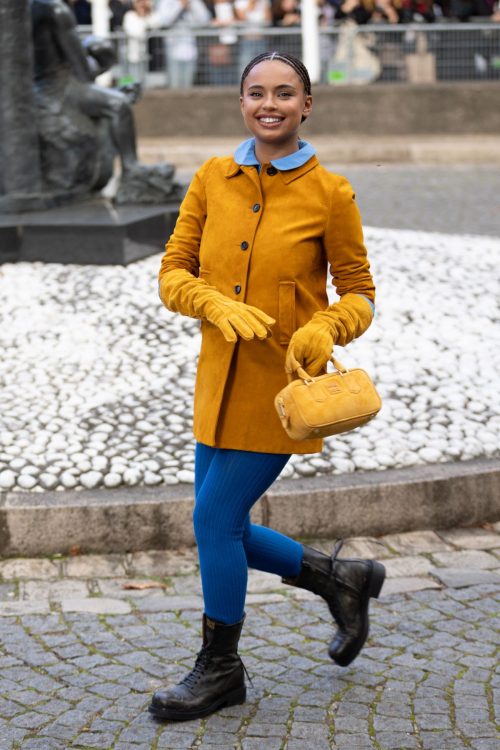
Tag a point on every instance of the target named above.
point(294, 63)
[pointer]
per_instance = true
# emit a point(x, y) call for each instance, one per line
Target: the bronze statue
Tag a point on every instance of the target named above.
point(82, 125)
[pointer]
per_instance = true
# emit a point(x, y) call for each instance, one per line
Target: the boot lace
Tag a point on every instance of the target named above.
point(246, 672)
point(203, 658)
point(333, 604)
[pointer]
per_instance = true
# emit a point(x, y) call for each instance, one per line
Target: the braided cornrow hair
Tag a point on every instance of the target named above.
point(294, 62)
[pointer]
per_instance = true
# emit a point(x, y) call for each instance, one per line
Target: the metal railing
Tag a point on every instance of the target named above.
point(183, 57)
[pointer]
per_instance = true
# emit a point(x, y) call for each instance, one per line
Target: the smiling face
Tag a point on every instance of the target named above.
point(274, 101)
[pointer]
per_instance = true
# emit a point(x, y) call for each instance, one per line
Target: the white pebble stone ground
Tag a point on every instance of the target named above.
point(97, 377)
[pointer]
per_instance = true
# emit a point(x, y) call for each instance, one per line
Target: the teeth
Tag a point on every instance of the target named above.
point(270, 119)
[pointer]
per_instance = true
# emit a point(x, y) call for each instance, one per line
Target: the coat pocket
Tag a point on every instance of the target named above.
point(286, 310)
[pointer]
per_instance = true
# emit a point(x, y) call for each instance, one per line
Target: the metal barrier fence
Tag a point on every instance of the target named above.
point(415, 53)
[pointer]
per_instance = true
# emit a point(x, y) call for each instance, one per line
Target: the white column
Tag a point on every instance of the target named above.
point(100, 17)
point(310, 39)
point(100, 27)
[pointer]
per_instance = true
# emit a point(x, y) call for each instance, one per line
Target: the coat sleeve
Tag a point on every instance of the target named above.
point(349, 268)
point(180, 287)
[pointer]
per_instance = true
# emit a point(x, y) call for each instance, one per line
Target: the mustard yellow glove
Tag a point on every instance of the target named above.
point(232, 316)
point(312, 347)
point(182, 292)
point(348, 318)
point(339, 324)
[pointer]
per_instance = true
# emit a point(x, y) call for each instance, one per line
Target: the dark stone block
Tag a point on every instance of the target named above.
point(440, 741)
point(37, 743)
point(434, 721)
point(391, 724)
point(396, 740)
point(476, 729)
point(109, 690)
point(181, 740)
point(100, 740)
point(491, 744)
point(138, 734)
point(93, 233)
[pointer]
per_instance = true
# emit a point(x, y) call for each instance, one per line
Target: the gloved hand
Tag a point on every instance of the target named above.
point(312, 347)
point(182, 292)
point(339, 324)
point(231, 316)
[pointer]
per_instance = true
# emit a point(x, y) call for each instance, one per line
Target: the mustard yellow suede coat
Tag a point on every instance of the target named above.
point(307, 220)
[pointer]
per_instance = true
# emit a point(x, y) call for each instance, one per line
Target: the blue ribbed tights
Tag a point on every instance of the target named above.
point(227, 484)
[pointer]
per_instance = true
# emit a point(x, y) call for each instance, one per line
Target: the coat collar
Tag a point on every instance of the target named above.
point(290, 167)
point(245, 154)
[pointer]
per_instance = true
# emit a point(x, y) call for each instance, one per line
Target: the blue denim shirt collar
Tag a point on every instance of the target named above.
point(245, 154)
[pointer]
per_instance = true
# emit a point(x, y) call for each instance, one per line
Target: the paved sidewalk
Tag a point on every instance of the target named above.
point(411, 182)
point(81, 653)
point(190, 152)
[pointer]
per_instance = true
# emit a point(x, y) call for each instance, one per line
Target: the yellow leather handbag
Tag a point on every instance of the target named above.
point(311, 408)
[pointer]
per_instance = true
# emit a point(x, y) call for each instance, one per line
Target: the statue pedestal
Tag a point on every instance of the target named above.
point(90, 233)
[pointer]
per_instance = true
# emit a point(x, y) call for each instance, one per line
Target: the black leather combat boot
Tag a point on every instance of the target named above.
point(346, 585)
point(216, 680)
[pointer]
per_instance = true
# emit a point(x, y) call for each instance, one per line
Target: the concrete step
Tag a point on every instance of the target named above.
point(189, 153)
point(437, 496)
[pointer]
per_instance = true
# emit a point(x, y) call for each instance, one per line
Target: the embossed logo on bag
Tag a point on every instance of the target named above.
point(334, 387)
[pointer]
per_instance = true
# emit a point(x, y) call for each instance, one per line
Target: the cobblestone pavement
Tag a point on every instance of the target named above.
point(80, 653)
point(117, 408)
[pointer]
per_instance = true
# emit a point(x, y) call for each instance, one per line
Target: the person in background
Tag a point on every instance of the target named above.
point(359, 11)
point(117, 9)
point(254, 13)
point(286, 12)
point(181, 50)
point(417, 10)
point(221, 51)
point(387, 11)
point(464, 9)
point(82, 9)
point(326, 13)
point(327, 42)
point(363, 11)
point(136, 23)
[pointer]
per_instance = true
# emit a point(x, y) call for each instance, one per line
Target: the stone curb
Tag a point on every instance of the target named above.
point(437, 496)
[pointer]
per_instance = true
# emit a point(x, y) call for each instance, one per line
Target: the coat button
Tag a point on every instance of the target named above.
point(237, 289)
point(256, 208)
point(244, 245)
point(271, 171)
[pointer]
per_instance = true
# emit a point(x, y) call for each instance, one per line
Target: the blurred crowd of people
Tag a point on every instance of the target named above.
point(165, 13)
point(220, 59)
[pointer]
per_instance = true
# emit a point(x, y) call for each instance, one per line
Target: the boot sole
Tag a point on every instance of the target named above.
point(233, 698)
point(375, 584)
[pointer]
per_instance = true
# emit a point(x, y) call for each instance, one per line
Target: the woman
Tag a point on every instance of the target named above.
point(254, 13)
point(181, 49)
point(262, 226)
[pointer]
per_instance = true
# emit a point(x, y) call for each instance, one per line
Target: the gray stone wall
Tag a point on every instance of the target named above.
point(388, 109)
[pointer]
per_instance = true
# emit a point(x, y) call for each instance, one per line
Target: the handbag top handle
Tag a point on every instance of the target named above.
point(303, 374)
